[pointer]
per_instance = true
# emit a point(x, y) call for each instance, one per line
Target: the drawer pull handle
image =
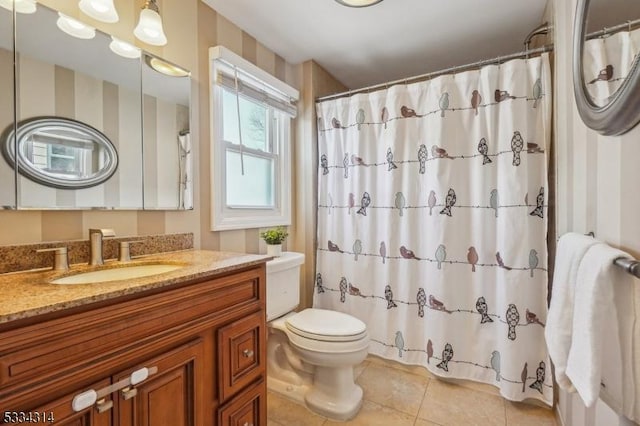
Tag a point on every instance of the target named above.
point(104, 405)
point(247, 353)
point(248, 424)
point(128, 393)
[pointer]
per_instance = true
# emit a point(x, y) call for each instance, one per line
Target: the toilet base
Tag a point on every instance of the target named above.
point(287, 390)
point(334, 393)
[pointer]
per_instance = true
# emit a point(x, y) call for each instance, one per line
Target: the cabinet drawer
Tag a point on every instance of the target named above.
point(242, 348)
point(248, 409)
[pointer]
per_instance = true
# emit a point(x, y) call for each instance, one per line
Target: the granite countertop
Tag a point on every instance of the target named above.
point(29, 293)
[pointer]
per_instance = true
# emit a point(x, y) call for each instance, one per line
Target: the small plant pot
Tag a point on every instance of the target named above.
point(274, 250)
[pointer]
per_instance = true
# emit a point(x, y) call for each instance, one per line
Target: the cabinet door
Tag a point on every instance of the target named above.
point(247, 409)
point(60, 413)
point(170, 397)
point(242, 349)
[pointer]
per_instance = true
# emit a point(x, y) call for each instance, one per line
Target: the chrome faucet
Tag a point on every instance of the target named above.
point(95, 241)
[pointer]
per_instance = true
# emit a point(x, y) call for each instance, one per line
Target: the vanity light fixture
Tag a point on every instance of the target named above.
point(358, 3)
point(149, 28)
point(22, 6)
point(123, 48)
point(165, 67)
point(75, 28)
point(101, 10)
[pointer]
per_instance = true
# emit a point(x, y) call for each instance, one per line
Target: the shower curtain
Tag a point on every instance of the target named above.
point(432, 222)
point(607, 62)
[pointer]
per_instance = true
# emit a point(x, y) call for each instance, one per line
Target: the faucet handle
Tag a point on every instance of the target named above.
point(105, 232)
point(60, 259)
point(124, 253)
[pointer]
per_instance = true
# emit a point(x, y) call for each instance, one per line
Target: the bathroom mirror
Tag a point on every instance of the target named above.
point(166, 90)
point(60, 152)
point(135, 119)
point(7, 113)
point(606, 69)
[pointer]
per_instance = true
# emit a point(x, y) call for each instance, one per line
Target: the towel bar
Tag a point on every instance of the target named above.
point(632, 266)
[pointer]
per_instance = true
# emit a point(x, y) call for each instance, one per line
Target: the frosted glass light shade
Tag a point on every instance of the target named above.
point(22, 6)
point(358, 3)
point(101, 10)
point(123, 48)
point(149, 28)
point(75, 28)
point(165, 67)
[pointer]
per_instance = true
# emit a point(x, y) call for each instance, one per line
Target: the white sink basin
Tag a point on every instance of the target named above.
point(116, 274)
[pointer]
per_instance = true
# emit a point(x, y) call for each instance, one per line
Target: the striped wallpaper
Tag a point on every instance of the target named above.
point(45, 89)
point(596, 191)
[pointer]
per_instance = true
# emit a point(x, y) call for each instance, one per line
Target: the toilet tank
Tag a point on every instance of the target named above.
point(283, 284)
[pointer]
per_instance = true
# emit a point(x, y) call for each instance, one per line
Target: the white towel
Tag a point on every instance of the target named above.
point(601, 330)
point(186, 169)
point(558, 331)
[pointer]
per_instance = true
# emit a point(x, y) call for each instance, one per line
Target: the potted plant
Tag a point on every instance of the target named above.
point(274, 238)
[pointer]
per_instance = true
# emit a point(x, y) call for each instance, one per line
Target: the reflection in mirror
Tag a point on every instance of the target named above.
point(60, 153)
point(7, 118)
point(168, 182)
point(612, 42)
point(79, 77)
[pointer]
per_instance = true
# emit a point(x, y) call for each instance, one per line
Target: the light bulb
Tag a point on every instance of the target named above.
point(75, 28)
point(101, 10)
point(22, 6)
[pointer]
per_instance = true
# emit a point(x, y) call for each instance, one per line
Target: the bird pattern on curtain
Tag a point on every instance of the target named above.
point(607, 62)
point(432, 222)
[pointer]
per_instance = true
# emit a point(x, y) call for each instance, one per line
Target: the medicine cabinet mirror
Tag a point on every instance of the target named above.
point(98, 126)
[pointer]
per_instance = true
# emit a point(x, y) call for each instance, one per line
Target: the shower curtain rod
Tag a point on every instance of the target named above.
point(611, 30)
point(498, 60)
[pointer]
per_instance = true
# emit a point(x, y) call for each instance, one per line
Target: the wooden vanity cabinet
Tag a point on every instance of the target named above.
point(203, 341)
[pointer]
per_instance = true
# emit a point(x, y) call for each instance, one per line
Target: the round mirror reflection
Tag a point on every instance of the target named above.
point(605, 62)
point(611, 45)
point(61, 153)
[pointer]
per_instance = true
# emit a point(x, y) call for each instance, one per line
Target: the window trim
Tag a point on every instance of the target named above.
point(224, 217)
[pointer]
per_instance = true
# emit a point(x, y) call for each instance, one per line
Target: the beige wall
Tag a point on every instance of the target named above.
point(191, 28)
point(316, 82)
point(596, 191)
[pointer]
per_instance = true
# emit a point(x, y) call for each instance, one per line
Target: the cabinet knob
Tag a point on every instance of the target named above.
point(128, 393)
point(247, 353)
point(104, 405)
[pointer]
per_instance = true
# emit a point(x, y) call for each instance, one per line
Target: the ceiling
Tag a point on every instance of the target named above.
point(391, 40)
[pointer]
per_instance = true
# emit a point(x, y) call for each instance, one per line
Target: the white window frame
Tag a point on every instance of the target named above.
point(225, 217)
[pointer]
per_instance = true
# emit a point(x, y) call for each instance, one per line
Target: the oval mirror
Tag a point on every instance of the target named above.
point(606, 70)
point(60, 152)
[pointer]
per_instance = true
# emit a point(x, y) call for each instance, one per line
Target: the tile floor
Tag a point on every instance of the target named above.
point(399, 395)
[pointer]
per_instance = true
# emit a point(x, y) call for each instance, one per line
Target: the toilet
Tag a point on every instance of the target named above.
point(311, 354)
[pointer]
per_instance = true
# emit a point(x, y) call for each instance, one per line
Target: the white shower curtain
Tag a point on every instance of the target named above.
point(607, 62)
point(432, 222)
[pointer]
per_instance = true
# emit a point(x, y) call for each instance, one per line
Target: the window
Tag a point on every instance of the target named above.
point(251, 115)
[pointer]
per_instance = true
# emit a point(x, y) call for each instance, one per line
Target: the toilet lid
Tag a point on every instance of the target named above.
point(321, 324)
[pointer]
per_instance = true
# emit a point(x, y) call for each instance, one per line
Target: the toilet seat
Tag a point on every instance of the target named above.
point(326, 326)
